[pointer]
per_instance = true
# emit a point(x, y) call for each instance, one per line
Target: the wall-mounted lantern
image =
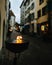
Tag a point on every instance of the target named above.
point(42, 28)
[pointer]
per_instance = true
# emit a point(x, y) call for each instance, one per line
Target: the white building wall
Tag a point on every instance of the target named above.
point(30, 12)
point(22, 13)
point(12, 21)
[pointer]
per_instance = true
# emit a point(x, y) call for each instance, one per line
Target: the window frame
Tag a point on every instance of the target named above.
point(32, 16)
point(39, 13)
point(44, 10)
point(32, 6)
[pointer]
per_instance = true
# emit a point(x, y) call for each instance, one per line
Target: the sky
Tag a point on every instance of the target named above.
point(15, 7)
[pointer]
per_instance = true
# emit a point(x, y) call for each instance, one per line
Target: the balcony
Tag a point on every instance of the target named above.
point(26, 3)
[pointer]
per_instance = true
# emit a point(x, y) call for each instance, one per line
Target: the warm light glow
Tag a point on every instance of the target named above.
point(19, 39)
point(42, 28)
point(47, 25)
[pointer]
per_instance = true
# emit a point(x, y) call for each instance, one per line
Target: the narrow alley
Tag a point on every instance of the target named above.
point(38, 53)
point(25, 32)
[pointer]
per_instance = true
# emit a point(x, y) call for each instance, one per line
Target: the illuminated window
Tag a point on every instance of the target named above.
point(42, 28)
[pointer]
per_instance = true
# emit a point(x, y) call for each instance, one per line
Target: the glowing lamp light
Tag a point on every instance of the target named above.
point(19, 39)
point(47, 25)
point(42, 28)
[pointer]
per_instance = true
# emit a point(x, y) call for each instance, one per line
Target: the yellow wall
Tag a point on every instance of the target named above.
point(35, 10)
point(42, 19)
point(39, 7)
point(3, 17)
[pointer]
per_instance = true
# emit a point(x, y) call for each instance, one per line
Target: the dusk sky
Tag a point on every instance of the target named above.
point(15, 7)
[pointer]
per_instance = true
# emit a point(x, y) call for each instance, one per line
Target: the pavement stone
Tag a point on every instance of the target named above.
point(39, 52)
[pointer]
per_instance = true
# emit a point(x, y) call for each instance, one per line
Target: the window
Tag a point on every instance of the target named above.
point(41, 1)
point(28, 2)
point(39, 13)
point(50, 5)
point(32, 6)
point(26, 20)
point(44, 10)
point(25, 12)
point(28, 9)
point(32, 16)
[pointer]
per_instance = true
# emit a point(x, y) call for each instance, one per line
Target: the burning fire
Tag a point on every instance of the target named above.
point(19, 39)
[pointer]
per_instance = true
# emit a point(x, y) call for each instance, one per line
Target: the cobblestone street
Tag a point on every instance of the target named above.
point(39, 52)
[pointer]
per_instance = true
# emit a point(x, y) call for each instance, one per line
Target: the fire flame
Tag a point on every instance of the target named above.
point(19, 39)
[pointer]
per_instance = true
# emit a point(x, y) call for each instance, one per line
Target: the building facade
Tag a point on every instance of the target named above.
point(12, 19)
point(44, 17)
point(30, 15)
point(22, 13)
point(37, 15)
point(3, 22)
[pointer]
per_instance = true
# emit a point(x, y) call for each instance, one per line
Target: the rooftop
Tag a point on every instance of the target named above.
point(11, 13)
